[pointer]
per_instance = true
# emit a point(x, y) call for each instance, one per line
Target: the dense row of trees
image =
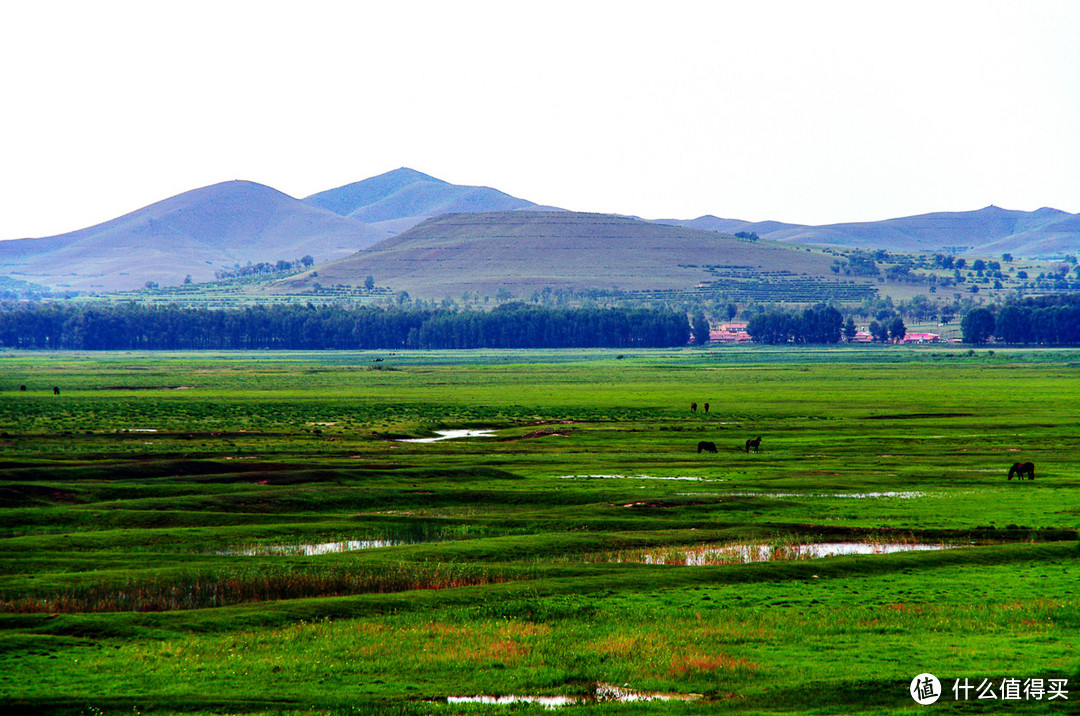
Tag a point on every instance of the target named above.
point(818, 324)
point(1038, 319)
point(263, 268)
point(135, 327)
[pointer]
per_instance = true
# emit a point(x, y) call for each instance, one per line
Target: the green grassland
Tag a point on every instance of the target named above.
point(152, 518)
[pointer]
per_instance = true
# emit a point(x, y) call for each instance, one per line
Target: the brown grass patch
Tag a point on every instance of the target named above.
point(701, 662)
point(618, 645)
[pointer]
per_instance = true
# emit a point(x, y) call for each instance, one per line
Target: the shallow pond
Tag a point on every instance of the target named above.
point(908, 495)
point(604, 692)
point(307, 550)
point(451, 435)
point(709, 555)
point(635, 477)
point(548, 702)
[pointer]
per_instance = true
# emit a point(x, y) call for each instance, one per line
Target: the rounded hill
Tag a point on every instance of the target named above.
point(522, 252)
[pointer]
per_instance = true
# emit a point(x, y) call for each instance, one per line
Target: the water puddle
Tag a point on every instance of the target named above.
point(635, 477)
point(548, 702)
point(451, 435)
point(711, 555)
point(307, 550)
point(610, 692)
point(909, 495)
point(604, 692)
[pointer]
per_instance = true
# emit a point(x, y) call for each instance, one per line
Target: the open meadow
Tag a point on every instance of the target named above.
point(252, 533)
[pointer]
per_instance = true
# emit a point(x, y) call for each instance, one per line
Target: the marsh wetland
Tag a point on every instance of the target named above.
point(284, 536)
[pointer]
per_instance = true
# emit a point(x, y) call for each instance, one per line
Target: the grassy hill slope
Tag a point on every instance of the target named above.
point(522, 252)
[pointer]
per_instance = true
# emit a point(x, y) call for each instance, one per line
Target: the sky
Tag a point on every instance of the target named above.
point(807, 112)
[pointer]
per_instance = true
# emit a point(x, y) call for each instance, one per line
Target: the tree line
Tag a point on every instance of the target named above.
point(817, 324)
point(263, 268)
point(131, 326)
point(1051, 320)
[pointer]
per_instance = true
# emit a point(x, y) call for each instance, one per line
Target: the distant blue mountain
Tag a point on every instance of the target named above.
point(205, 230)
point(404, 197)
point(991, 231)
point(195, 233)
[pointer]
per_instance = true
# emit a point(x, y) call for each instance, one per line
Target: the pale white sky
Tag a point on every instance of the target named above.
point(802, 111)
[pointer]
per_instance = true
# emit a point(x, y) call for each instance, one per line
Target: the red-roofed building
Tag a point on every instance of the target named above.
point(730, 333)
point(921, 338)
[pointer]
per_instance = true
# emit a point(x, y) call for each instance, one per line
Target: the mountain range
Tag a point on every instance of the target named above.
point(199, 232)
point(990, 231)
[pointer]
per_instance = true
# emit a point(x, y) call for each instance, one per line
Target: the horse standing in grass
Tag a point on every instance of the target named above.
point(693, 407)
point(706, 446)
point(755, 444)
point(1022, 468)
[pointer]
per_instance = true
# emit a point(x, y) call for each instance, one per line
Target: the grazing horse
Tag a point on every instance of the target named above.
point(693, 407)
point(1022, 468)
point(706, 408)
point(706, 446)
point(55, 390)
point(755, 443)
point(22, 388)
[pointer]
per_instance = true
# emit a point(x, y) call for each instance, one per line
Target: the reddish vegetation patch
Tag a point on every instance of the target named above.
point(699, 661)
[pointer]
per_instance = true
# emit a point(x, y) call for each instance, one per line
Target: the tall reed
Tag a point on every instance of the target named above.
point(198, 590)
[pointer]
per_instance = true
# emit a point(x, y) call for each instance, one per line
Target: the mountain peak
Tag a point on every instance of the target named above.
point(405, 173)
point(346, 199)
point(406, 197)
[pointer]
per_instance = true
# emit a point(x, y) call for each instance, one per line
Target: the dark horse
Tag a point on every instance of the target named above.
point(693, 407)
point(1022, 468)
point(706, 446)
point(755, 443)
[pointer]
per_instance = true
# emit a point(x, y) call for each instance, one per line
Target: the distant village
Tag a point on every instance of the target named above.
point(736, 333)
